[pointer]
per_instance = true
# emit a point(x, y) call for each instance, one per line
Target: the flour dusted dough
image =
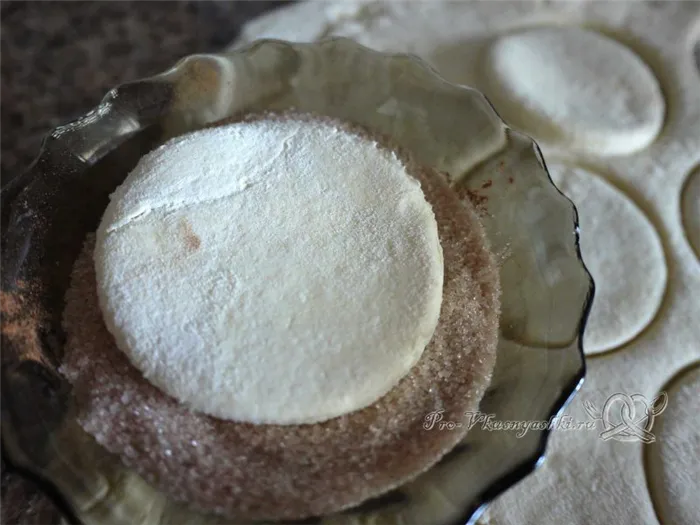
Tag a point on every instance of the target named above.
point(584, 480)
point(627, 295)
point(576, 89)
point(277, 271)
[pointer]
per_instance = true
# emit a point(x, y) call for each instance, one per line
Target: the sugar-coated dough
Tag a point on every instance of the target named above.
point(575, 88)
point(584, 480)
point(690, 208)
point(276, 271)
point(295, 471)
point(628, 296)
point(675, 491)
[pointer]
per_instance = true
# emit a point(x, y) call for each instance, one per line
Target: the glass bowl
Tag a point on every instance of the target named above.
point(532, 227)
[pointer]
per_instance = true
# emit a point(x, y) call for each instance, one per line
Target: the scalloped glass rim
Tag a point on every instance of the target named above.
point(401, 91)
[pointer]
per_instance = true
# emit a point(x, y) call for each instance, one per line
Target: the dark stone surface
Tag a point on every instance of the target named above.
point(58, 60)
point(23, 503)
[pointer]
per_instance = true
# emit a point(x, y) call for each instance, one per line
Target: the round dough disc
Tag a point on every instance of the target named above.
point(623, 252)
point(573, 88)
point(279, 271)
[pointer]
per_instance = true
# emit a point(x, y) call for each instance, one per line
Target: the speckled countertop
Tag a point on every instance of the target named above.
point(58, 60)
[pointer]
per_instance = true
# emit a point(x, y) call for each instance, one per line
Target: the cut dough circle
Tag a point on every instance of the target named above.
point(573, 88)
point(281, 271)
point(673, 461)
point(690, 208)
point(624, 254)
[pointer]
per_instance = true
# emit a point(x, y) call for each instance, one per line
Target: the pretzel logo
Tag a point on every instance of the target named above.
point(622, 421)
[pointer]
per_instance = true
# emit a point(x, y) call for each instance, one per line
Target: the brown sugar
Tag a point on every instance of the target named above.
point(10, 303)
point(21, 324)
